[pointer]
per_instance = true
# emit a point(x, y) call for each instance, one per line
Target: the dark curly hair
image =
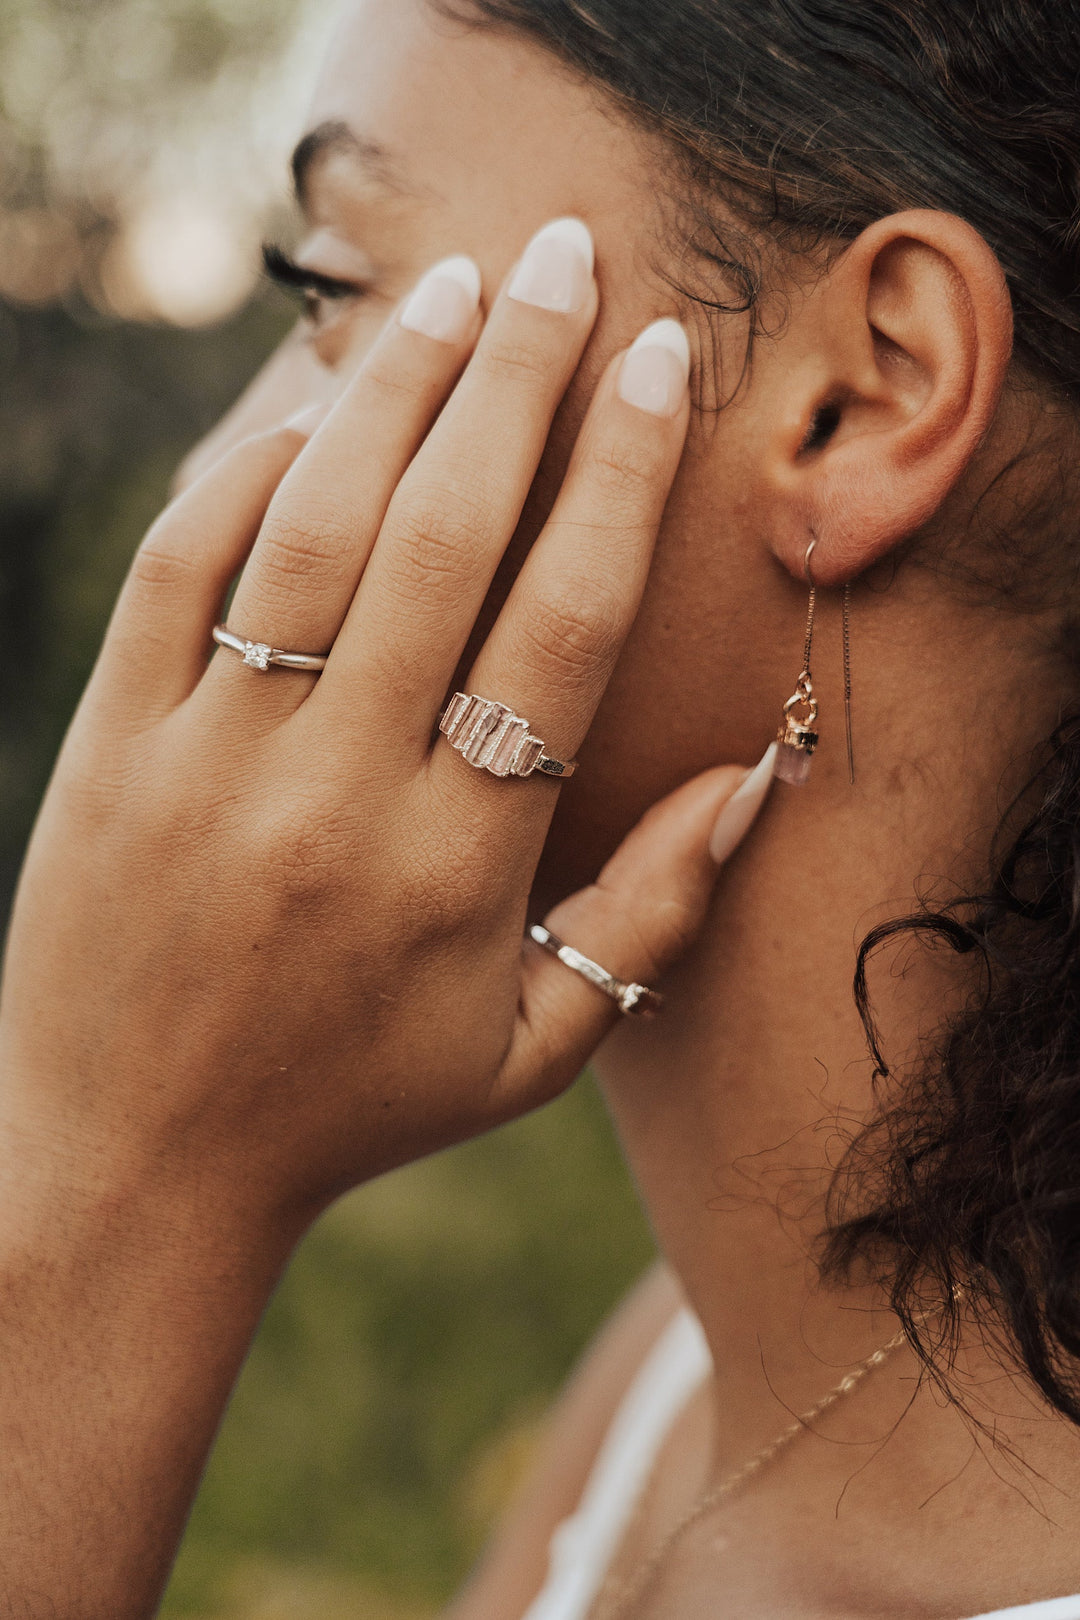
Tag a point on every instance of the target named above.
point(796, 124)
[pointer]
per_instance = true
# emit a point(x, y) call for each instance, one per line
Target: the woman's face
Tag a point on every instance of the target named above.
point(429, 139)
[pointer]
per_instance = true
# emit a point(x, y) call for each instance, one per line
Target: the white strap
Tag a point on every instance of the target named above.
point(1063, 1608)
point(583, 1546)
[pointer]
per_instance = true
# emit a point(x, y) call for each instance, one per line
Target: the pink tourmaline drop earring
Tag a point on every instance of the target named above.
point(797, 738)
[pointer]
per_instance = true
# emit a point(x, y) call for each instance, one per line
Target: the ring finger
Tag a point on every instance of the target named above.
point(552, 649)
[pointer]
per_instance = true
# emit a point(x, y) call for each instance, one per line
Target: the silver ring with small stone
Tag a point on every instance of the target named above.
point(637, 1000)
point(258, 655)
point(492, 737)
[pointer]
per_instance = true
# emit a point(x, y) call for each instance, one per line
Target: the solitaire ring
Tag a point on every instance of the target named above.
point(493, 738)
point(257, 655)
point(637, 1000)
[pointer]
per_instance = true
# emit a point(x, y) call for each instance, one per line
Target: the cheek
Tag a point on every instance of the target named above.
point(300, 372)
point(696, 685)
point(290, 379)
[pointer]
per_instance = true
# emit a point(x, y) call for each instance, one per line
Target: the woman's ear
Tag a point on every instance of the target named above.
point(890, 374)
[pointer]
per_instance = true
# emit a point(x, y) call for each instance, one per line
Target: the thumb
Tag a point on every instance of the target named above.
point(644, 910)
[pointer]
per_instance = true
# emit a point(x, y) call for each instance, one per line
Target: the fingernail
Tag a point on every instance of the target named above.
point(444, 301)
point(656, 369)
point(307, 420)
point(735, 818)
point(556, 267)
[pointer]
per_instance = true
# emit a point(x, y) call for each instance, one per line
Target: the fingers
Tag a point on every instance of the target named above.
point(321, 526)
point(643, 912)
point(551, 652)
point(459, 503)
point(158, 640)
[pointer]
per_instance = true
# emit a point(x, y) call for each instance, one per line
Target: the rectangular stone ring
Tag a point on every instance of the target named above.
point(257, 655)
point(493, 738)
point(637, 1000)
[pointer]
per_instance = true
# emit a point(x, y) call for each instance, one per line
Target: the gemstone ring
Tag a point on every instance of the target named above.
point(492, 737)
point(258, 655)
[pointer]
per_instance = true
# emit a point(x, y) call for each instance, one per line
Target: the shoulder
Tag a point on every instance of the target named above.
point(515, 1565)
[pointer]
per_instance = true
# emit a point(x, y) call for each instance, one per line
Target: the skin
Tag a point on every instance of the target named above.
point(171, 1122)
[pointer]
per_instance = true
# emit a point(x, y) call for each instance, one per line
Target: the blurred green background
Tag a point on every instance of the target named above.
point(391, 1398)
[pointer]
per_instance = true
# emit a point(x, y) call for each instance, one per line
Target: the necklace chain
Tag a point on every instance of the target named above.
point(640, 1578)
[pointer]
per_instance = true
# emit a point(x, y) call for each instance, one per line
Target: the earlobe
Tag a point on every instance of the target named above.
point(904, 351)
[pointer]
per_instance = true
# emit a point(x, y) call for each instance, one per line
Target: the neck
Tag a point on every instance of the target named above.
point(734, 1106)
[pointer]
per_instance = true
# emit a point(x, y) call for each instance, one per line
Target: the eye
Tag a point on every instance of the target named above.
point(319, 292)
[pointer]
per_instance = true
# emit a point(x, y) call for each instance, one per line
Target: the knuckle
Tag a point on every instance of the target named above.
point(385, 374)
point(634, 466)
point(659, 927)
point(301, 847)
point(437, 530)
point(517, 360)
point(291, 549)
point(157, 567)
point(435, 891)
point(573, 632)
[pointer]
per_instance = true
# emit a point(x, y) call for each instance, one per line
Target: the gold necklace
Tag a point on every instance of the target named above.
point(628, 1592)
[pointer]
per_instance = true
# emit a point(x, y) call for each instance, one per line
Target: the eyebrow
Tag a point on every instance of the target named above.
point(336, 136)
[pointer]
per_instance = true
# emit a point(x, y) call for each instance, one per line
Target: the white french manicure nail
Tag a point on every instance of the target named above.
point(556, 268)
point(443, 303)
point(738, 814)
point(656, 369)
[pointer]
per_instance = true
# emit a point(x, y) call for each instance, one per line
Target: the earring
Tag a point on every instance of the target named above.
point(797, 738)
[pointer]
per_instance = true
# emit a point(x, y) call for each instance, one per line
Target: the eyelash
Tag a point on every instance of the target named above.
point(314, 286)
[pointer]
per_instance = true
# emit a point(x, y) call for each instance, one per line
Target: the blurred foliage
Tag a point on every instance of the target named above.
point(125, 122)
point(392, 1394)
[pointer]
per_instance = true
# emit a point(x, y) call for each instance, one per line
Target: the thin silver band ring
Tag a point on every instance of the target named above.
point(257, 655)
point(636, 1000)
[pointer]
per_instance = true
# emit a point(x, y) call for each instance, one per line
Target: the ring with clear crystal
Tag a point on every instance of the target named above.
point(258, 655)
point(492, 737)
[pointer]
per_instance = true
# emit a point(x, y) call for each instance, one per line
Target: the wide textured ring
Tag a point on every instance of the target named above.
point(635, 999)
point(494, 738)
point(257, 655)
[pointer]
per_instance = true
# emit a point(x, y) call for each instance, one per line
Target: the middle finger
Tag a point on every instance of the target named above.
point(460, 500)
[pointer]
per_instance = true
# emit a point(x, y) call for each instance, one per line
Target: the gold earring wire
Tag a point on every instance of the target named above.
point(797, 739)
point(847, 681)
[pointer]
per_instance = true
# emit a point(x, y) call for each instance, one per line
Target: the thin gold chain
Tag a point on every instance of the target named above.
point(847, 682)
point(809, 631)
point(617, 1606)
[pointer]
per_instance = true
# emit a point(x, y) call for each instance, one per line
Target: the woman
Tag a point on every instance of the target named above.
point(267, 942)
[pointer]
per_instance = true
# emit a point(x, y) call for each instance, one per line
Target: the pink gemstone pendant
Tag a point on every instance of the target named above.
point(796, 738)
point(792, 764)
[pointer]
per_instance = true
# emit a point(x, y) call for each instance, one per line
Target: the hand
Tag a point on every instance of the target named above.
point(268, 940)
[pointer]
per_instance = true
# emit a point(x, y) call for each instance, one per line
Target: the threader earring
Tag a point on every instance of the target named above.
point(797, 738)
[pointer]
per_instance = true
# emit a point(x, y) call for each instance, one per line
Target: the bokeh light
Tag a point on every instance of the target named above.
point(144, 145)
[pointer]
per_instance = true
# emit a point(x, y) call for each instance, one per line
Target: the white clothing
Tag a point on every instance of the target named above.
point(584, 1545)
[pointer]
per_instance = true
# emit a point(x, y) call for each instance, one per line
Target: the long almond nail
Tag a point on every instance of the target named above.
point(556, 268)
point(737, 816)
point(444, 302)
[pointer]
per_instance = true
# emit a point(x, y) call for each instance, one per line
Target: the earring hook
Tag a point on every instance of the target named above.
point(806, 564)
